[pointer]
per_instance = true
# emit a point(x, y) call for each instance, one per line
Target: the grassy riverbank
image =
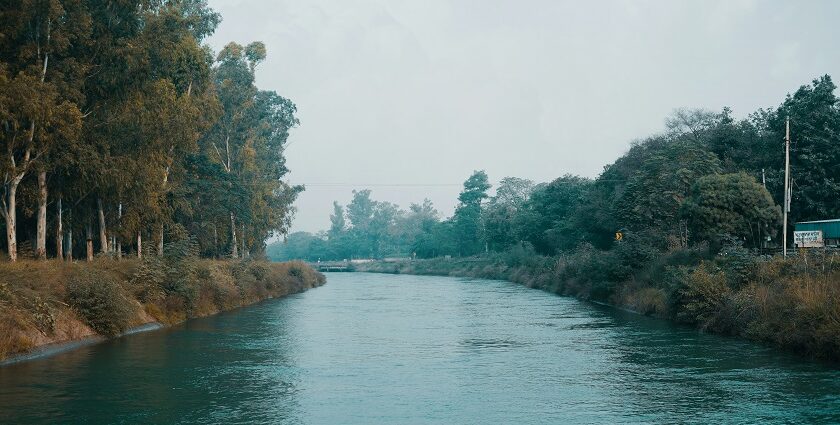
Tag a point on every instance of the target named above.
point(793, 304)
point(51, 302)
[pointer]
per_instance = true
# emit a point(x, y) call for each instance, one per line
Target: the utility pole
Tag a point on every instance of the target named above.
point(786, 206)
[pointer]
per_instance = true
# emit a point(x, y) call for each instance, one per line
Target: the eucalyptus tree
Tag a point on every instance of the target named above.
point(40, 81)
point(247, 142)
point(264, 166)
point(147, 100)
point(106, 103)
point(174, 33)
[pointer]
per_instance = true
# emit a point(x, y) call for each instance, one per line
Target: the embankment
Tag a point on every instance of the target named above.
point(52, 305)
point(792, 304)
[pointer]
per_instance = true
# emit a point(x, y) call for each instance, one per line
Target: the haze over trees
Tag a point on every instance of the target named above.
point(699, 183)
point(120, 131)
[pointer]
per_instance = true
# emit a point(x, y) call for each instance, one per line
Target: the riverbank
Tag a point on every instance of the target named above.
point(51, 305)
point(792, 304)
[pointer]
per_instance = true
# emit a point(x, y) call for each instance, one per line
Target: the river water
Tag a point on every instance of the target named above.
point(368, 349)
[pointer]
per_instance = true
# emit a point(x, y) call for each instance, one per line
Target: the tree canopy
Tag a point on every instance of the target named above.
point(115, 117)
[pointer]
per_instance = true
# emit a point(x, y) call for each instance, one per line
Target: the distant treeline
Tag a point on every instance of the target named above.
point(116, 120)
point(707, 180)
point(676, 228)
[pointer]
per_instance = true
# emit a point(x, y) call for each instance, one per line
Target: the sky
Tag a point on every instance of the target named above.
point(409, 97)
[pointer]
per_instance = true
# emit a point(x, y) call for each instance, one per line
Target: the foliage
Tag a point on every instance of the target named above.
point(731, 204)
point(547, 218)
point(119, 116)
point(170, 274)
point(701, 295)
point(101, 302)
point(498, 215)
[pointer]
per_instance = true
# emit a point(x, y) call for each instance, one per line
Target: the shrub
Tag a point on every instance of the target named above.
point(737, 262)
point(172, 274)
point(295, 270)
point(100, 301)
point(702, 296)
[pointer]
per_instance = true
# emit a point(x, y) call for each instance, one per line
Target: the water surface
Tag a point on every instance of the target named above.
point(368, 349)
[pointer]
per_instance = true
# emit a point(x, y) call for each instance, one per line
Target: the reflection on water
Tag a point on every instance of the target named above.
point(404, 349)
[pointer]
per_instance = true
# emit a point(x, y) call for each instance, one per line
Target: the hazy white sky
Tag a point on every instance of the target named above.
point(418, 94)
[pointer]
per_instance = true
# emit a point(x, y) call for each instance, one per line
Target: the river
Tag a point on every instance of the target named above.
point(367, 349)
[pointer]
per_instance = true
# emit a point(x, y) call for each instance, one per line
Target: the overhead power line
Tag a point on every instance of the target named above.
point(380, 184)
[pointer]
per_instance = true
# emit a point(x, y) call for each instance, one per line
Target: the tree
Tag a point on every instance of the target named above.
point(418, 221)
point(360, 210)
point(41, 108)
point(548, 219)
point(731, 205)
point(499, 213)
point(247, 142)
point(467, 226)
point(383, 233)
point(655, 191)
point(337, 223)
point(814, 112)
point(105, 102)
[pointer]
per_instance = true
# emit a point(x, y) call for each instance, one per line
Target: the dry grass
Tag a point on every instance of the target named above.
point(648, 301)
point(36, 307)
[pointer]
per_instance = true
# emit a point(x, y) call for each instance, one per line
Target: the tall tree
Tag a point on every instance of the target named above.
point(41, 109)
point(467, 223)
point(337, 222)
point(814, 112)
point(498, 215)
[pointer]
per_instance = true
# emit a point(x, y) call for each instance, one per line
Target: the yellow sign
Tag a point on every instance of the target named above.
point(619, 236)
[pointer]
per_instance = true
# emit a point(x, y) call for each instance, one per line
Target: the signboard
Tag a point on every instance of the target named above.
point(808, 239)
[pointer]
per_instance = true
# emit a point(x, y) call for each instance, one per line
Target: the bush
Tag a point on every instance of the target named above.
point(703, 296)
point(100, 301)
point(737, 262)
point(648, 301)
point(172, 274)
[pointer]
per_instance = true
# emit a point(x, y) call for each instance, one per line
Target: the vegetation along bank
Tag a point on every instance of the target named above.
point(47, 303)
point(792, 304)
point(128, 142)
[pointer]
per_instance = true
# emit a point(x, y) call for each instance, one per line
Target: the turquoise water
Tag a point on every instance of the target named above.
point(367, 349)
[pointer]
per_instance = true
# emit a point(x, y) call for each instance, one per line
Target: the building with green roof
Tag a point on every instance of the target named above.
point(807, 233)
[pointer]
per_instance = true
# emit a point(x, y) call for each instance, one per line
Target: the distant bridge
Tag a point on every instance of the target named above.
point(332, 266)
point(350, 265)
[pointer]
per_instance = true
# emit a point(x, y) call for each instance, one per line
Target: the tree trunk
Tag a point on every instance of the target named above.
point(89, 240)
point(103, 233)
point(139, 244)
point(11, 220)
point(215, 241)
point(59, 234)
point(117, 241)
point(234, 252)
point(160, 241)
point(41, 227)
point(68, 252)
point(243, 252)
